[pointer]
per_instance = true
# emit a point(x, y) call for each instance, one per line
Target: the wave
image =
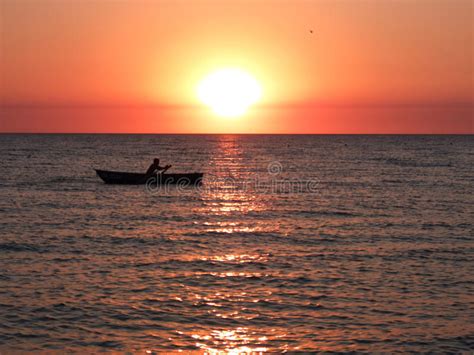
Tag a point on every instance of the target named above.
point(21, 247)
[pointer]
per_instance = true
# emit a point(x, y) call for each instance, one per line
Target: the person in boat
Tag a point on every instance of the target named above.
point(155, 167)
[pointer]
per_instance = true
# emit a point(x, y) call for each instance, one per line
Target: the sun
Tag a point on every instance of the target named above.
point(229, 92)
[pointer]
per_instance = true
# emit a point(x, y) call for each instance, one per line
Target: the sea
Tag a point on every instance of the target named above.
point(292, 243)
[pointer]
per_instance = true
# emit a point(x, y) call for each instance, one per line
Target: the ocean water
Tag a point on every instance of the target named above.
point(293, 243)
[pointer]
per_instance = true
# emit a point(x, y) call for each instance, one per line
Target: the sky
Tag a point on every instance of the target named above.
point(324, 66)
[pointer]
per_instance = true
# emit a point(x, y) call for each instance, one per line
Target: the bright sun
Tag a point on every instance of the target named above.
point(229, 92)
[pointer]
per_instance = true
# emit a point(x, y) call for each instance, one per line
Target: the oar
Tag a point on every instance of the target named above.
point(164, 170)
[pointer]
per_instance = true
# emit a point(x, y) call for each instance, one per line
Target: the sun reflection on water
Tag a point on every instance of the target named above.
point(236, 341)
point(222, 203)
point(232, 211)
point(232, 274)
point(237, 258)
point(225, 197)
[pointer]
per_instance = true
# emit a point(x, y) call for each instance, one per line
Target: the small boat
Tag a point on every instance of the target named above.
point(117, 177)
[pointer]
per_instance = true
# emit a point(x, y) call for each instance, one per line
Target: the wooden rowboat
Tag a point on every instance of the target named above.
point(117, 177)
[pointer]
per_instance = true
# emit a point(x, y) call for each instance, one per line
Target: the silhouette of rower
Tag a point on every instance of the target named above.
point(155, 167)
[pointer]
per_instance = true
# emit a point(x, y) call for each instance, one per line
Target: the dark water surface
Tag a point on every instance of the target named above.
point(368, 245)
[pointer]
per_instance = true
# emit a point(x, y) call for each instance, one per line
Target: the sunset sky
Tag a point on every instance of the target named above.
point(324, 66)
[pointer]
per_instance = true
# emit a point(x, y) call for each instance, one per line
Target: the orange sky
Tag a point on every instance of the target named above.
point(133, 66)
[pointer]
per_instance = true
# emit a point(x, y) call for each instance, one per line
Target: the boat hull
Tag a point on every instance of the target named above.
point(123, 178)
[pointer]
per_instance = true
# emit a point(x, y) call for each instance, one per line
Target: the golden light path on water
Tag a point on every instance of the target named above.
point(238, 340)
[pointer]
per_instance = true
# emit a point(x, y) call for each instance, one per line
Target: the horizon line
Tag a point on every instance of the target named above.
point(240, 134)
point(288, 105)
